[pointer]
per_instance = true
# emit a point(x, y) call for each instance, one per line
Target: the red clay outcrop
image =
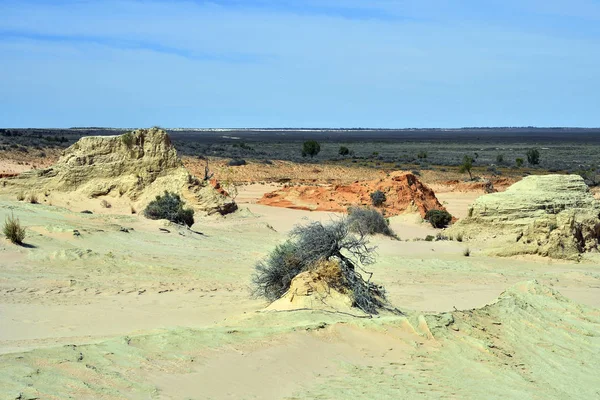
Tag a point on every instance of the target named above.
point(403, 191)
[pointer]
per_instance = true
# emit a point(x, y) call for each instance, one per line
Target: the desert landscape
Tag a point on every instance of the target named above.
point(329, 277)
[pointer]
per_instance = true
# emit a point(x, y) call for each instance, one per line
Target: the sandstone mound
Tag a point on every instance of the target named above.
point(137, 165)
point(404, 192)
point(318, 289)
point(549, 215)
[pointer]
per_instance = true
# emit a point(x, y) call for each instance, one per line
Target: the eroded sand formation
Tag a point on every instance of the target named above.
point(135, 167)
point(549, 215)
point(403, 191)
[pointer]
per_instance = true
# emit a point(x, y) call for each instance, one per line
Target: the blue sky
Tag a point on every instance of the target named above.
point(284, 63)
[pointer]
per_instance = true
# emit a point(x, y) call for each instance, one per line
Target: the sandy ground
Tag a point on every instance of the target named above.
point(149, 314)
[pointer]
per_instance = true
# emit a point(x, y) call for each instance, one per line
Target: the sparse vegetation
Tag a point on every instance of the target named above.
point(13, 231)
point(378, 198)
point(33, 199)
point(315, 243)
point(170, 207)
point(438, 218)
point(368, 221)
point(311, 148)
point(422, 155)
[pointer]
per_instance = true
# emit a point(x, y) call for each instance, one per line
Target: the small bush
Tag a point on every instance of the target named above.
point(438, 218)
point(310, 148)
point(422, 155)
point(127, 139)
point(459, 237)
point(344, 151)
point(500, 158)
point(466, 252)
point(429, 238)
point(378, 198)
point(519, 162)
point(13, 230)
point(33, 199)
point(236, 163)
point(315, 243)
point(20, 196)
point(105, 204)
point(368, 221)
point(170, 206)
point(533, 156)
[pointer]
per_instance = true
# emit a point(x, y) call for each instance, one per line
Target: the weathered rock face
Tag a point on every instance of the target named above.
point(403, 191)
point(550, 215)
point(138, 165)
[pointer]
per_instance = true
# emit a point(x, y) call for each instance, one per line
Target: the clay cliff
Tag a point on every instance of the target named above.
point(403, 191)
point(137, 165)
point(549, 215)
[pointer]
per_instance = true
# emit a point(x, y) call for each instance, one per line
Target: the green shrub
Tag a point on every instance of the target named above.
point(368, 221)
point(533, 156)
point(378, 198)
point(500, 158)
point(170, 206)
point(344, 151)
point(13, 230)
point(519, 162)
point(429, 238)
point(310, 148)
point(422, 155)
point(438, 218)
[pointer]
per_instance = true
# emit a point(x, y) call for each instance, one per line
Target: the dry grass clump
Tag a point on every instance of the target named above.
point(33, 199)
point(105, 204)
point(20, 196)
point(13, 231)
point(466, 252)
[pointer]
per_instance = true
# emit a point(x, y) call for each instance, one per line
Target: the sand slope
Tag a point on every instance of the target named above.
point(144, 314)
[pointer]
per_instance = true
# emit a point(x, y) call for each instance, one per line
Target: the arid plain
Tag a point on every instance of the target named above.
point(109, 304)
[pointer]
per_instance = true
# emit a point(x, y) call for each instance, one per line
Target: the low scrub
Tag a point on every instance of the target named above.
point(170, 206)
point(313, 244)
point(378, 198)
point(368, 221)
point(438, 218)
point(236, 163)
point(13, 231)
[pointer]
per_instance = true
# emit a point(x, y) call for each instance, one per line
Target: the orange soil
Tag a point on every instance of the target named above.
point(403, 192)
